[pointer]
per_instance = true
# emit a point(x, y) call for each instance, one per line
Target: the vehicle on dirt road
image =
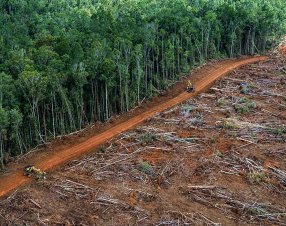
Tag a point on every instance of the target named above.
point(34, 172)
point(190, 87)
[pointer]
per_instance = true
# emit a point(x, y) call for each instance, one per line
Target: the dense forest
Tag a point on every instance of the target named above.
point(65, 64)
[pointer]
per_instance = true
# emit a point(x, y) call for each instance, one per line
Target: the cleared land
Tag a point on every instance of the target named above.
point(206, 77)
point(218, 159)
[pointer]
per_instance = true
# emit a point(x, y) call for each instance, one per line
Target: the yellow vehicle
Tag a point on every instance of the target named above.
point(34, 172)
point(190, 87)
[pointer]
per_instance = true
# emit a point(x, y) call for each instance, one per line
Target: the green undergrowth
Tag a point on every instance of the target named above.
point(244, 105)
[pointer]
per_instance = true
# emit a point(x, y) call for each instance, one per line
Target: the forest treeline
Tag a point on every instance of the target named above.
point(68, 63)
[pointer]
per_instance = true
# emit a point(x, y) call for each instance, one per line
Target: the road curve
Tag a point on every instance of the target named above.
point(14, 180)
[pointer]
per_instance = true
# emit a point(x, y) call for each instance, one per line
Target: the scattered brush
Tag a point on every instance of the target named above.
point(228, 125)
point(257, 177)
point(271, 178)
point(177, 218)
point(277, 131)
point(244, 88)
point(147, 138)
point(146, 168)
point(250, 210)
point(163, 136)
point(186, 109)
point(220, 102)
point(271, 131)
point(244, 105)
point(68, 188)
point(218, 154)
point(109, 202)
point(197, 119)
point(279, 174)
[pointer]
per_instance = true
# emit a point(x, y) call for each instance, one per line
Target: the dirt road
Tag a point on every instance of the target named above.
point(16, 179)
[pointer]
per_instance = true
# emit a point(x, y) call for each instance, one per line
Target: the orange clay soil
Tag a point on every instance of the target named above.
point(282, 49)
point(208, 76)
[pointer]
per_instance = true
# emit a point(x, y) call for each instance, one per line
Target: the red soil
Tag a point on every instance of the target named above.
point(282, 49)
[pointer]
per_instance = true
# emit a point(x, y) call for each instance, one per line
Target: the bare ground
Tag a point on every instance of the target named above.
point(218, 159)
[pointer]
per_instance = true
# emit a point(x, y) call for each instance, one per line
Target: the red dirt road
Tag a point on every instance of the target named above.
point(16, 179)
